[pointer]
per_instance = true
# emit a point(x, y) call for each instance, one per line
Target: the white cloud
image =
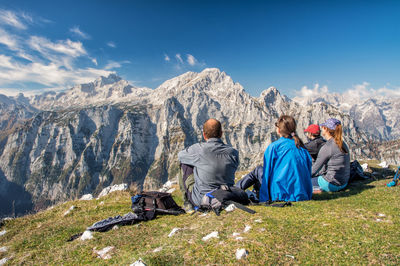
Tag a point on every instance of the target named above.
point(66, 47)
point(361, 92)
point(166, 58)
point(314, 92)
point(12, 19)
point(191, 59)
point(79, 33)
point(113, 64)
point(179, 58)
point(112, 44)
point(38, 59)
point(8, 40)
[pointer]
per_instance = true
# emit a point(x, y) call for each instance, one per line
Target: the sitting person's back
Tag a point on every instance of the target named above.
point(331, 170)
point(286, 174)
point(214, 163)
point(315, 141)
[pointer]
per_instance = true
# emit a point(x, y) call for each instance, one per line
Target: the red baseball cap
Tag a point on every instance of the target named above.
point(313, 129)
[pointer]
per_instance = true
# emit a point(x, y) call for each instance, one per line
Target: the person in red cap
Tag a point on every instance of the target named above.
point(315, 141)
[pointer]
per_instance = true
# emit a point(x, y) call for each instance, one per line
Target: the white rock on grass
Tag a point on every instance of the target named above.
point(230, 208)
point(247, 228)
point(381, 215)
point(211, 235)
point(235, 234)
point(105, 253)
point(157, 249)
point(258, 221)
point(364, 166)
point(115, 227)
point(2, 233)
point(3, 249)
point(239, 238)
point(69, 210)
point(86, 235)
point(384, 164)
point(173, 232)
point(139, 262)
point(3, 261)
point(241, 253)
point(110, 189)
point(87, 197)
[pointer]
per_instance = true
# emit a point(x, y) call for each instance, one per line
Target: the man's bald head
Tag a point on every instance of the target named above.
point(212, 129)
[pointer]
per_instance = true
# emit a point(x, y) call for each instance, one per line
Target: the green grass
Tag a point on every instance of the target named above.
point(357, 226)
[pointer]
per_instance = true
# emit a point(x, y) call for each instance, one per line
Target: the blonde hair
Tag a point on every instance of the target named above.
point(337, 134)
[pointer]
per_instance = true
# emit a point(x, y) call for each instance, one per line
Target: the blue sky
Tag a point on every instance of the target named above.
point(300, 47)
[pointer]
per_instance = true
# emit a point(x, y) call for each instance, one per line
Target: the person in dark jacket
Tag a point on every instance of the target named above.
point(315, 141)
point(331, 170)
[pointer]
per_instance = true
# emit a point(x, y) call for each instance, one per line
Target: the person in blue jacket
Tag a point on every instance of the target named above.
point(286, 174)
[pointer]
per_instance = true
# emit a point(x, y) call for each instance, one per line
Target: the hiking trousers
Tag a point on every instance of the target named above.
point(254, 178)
point(186, 182)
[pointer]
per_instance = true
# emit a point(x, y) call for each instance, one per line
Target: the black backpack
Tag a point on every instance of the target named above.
point(220, 198)
point(152, 203)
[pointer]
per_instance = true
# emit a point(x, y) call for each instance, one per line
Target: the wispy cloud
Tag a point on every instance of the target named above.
point(113, 64)
point(75, 30)
point(191, 60)
point(179, 58)
point(111, 44)
point(37, 59)
point(166, 58)
point(12, 19)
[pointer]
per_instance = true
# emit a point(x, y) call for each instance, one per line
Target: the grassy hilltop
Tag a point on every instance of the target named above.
point(357, 226)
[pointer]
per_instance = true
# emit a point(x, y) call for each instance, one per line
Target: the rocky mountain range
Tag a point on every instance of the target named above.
point(378, 116)
point(61, 145)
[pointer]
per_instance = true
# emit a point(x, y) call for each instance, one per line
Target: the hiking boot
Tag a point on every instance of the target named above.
point(187, 206)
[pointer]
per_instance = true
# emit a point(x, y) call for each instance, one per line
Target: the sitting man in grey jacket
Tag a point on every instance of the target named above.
point(207, 165)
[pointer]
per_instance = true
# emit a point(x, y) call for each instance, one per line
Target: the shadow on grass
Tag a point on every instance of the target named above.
point(357, 186)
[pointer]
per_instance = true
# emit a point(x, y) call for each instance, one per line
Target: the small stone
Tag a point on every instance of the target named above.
point(3, 261)
point(247, 228)
point(69, 210)
point(203, 214)
point(211, 235)
point(258, 221)
point(173, 232)
point(364, 167)
point(241, 253)
point(236, 234)
point(101, 203)
point(290, 256)
point(104, 253)
point(239, 238)
point(86, 235)
point(139, 262)
point(87, 197)
point(384, 164)
point(115, 227)
point(3, 249)
point(381, 215)
point(378, 220)
point(157, 249)
point(262, 229)
point(230, 208)
point(108, 190)
point(2, 233)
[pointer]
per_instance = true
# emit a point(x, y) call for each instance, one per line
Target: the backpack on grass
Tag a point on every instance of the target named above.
point(218, 199)
point(152, 203)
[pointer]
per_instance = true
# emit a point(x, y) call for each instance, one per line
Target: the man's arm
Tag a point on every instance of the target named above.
point(190, 155)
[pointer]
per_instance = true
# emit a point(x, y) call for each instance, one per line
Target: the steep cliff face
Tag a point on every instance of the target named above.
point(72, 149)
